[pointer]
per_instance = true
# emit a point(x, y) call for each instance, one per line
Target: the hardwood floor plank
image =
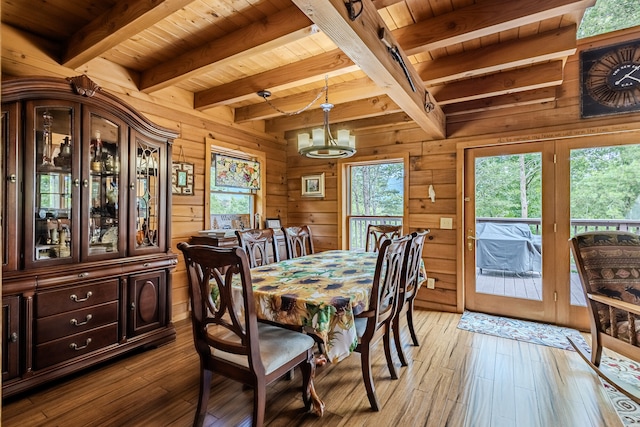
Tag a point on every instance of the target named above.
point(503, 391)
point(527, 407)
point(454, 378)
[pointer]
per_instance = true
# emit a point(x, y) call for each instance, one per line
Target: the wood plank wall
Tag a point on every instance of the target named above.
point(434, 162)
point(431, 162)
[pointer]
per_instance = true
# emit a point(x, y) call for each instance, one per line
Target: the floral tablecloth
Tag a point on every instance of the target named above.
point(320, 292)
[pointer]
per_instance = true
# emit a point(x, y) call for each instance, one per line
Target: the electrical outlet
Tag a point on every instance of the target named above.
point(446, 223)
point(431, 283)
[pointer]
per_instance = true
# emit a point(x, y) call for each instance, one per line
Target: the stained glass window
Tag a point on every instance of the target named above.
point(238, 173)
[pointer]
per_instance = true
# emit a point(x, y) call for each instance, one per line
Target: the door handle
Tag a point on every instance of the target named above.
point(470, 239)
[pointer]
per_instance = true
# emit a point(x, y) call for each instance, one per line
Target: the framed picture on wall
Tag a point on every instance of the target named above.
point(182, 178)
point(313, 185)
point(272, 223)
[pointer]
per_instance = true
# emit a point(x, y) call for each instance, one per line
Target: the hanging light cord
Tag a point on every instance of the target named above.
point(266, 94)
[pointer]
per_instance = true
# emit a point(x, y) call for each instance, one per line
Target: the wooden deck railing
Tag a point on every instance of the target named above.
point(577, 225)
point(358, 225)
point(358, 228)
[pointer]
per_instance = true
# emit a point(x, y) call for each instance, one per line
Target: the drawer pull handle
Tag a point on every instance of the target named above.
point(81, 275)
point(74, 346)
point(75, 322)
point(75, 298)
point(146, 264)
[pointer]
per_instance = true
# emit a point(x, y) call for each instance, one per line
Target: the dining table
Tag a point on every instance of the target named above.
point(319, 293)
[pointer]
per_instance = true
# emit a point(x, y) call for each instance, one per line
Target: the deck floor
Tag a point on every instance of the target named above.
point(523, 285)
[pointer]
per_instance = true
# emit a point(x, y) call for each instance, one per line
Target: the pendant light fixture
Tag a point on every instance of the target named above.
point(321, 144)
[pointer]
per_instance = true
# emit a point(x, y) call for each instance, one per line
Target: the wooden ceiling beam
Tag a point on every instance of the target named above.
point(370, 107)
point(519, 80)
point(306, 70)
point(359, 40)
point(339, 93)
point(276, 30)
point(551, 45)
point(537, 96)
point(124, 20)
point(330, 63)
point(479, 20)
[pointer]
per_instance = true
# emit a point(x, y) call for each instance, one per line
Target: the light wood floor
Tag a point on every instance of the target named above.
point(456, 378)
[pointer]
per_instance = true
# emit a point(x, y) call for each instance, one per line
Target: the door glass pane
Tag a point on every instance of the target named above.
point(508, 197)
point(53, 183)
point(104, 184)
point(605, 195)
point(147, 194)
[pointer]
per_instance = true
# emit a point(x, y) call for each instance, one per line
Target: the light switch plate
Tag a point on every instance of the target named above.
point(446, 223)
point(431, 283)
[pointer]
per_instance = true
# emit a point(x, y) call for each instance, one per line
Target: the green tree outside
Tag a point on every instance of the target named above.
point(374, 190)
point(609, 15)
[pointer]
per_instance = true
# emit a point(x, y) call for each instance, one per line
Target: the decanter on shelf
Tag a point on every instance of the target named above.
point(96, 162)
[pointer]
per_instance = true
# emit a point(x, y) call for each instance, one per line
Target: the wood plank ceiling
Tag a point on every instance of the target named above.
point(463, 55)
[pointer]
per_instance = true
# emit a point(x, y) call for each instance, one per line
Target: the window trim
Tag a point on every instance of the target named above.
point(215, 145)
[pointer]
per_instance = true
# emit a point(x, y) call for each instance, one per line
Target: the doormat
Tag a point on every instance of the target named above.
point(519, 330)
point(556, 336)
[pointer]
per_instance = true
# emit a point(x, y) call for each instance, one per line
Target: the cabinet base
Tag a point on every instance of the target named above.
point(41, 377)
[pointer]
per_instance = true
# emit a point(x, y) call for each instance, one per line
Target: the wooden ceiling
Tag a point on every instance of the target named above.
point(462, 55)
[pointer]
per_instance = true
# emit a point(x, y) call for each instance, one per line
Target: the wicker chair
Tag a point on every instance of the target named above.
point(608, 263)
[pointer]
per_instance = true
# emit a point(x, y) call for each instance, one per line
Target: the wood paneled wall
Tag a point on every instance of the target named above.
point(434, 163)
point(431, 162)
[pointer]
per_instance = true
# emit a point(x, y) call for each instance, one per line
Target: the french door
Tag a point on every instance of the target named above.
point(517, 260)
point(508, 223)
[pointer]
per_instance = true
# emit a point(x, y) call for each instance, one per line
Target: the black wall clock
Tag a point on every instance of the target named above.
point(610, 79)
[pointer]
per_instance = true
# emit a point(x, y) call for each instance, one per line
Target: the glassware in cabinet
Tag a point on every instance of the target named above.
point(105, 207)
point(53, 177)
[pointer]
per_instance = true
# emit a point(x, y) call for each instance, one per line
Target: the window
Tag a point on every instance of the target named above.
point(609, 15)
point(375, 196)
point(234, 206)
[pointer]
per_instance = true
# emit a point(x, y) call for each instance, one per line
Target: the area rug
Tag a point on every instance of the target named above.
point(556, 336)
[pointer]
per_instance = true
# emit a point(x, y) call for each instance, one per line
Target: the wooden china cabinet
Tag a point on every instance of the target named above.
point(86, 231)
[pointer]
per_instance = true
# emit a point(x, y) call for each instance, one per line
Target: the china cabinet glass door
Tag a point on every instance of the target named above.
point(53, 177)
point(104, 231)
point(148, 160)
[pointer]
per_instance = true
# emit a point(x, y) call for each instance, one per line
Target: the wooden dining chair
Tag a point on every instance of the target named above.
point(409, 284)
point(298, 241)
point(260, 246)
point(376, 322)
point(378, 233)
point(229, 339)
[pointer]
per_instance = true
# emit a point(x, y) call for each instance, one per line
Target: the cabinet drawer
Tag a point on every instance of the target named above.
point(149, 265)
point(75, 345)
point(73, 322)
point(74, 297)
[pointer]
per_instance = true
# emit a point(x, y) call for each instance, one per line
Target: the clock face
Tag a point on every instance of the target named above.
point(611, 79)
